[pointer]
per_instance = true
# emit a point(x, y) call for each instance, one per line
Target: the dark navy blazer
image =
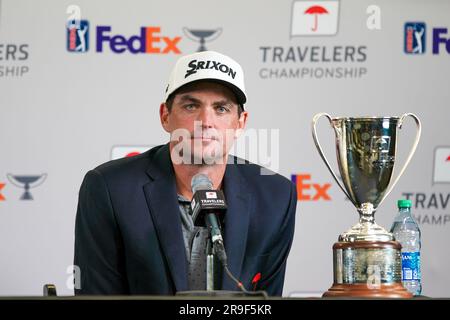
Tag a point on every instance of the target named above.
point(128, 235)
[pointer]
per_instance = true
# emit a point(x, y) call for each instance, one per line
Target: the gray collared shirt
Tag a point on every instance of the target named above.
point(195, 240)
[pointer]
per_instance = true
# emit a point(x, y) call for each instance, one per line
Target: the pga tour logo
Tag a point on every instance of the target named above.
point(311, 18)
point(78, 36)
point(415, 33)
point(211, 195)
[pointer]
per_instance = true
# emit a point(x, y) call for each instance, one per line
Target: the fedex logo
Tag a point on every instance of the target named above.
point(307, 191)
point(439, 38)
point(148, 41)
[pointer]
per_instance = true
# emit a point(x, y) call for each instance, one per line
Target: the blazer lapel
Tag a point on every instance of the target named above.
point(238, 198)
point(162, 201)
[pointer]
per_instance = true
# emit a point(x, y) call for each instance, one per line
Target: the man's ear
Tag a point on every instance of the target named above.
point(242, 122)
point(164, 116)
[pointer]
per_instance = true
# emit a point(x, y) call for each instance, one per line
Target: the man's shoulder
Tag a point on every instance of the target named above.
point(129, 165)
point(260, 175)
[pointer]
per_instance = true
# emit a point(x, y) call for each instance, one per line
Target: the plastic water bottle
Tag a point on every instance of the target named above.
point(407, 232)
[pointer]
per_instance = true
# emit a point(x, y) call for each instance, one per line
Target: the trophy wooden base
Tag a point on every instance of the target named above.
point(356, 263)
point(395, 290)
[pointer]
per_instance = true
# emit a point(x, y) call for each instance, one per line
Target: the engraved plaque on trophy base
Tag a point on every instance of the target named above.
point(367, 269)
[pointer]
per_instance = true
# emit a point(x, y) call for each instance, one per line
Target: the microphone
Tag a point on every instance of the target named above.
point(208, 206)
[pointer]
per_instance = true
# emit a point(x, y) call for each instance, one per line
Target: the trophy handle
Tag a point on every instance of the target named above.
point(319, 148)
point(411, 153)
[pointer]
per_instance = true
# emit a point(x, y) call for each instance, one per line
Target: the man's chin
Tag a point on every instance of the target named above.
point(208, 159)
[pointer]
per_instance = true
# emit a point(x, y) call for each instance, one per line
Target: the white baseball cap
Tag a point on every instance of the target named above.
point(208, 65)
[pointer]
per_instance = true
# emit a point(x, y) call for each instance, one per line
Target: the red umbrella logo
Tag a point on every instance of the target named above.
point(1, 187)
point(316, 10)
point(448, 158)
point(132, 154)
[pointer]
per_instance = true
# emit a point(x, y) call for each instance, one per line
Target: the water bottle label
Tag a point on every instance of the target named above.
point(410, 266)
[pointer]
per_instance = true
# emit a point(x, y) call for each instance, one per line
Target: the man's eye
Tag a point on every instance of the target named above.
point(189, 107)
point(222, 109)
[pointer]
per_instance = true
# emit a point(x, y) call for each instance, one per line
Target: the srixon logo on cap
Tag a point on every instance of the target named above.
point(195, 65)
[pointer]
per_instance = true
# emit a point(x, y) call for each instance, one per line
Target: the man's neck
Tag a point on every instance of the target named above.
point(185, 172)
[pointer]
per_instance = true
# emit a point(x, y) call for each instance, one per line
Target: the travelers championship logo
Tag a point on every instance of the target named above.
point(118, 152)
point(2, 185)
point(314, 18)
point(441, 171)
point(13, 55)
point(320, 60)
point(211, 195)
point(432, 205)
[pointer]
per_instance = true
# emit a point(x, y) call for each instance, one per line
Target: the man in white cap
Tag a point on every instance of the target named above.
point(135, 233)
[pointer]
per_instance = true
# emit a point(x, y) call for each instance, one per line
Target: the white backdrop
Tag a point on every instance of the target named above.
point(63, 112)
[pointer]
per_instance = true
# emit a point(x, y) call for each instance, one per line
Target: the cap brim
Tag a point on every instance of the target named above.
point(240, 96)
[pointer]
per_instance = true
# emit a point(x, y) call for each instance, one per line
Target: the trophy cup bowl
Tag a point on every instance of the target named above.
point(366, 258)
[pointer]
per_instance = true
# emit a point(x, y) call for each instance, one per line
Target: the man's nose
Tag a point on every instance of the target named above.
point(206, 116)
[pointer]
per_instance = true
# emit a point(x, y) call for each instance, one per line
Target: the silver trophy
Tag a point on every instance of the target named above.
point(366, 258)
